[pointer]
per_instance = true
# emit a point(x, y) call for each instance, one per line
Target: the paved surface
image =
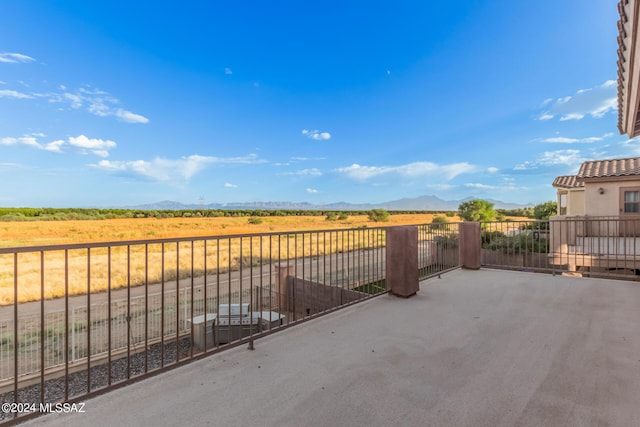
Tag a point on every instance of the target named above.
point(475, 348)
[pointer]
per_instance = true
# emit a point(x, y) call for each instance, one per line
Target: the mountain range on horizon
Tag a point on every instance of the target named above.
point(421, 203)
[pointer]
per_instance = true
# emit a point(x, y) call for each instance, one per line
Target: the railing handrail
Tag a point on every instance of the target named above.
point(87, 245)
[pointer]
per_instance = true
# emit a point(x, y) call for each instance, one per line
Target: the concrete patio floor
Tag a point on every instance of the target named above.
point(475, 348)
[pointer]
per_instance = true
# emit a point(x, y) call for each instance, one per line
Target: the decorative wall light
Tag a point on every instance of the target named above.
point(601, 190)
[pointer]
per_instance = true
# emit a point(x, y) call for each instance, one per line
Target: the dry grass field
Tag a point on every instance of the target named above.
point(36, 233)
point(100, 268)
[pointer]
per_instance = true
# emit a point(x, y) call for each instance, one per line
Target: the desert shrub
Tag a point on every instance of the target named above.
point(489, 236)
point(331, 216)
point(447, 241)
point(521, 243)
point(342, 216)
point(450, 214)
point(378, 215)
point(438, 223)
point(254, 220)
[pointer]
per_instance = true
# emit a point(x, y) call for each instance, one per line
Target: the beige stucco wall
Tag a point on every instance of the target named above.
point(575, 202)
point(607, 204)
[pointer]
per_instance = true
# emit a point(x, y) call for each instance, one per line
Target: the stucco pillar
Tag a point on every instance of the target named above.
point(282, 272)
point(470, 245)
point(402, 261)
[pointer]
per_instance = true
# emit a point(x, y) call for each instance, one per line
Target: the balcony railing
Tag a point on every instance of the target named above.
point(76, 320)
point(589, 246)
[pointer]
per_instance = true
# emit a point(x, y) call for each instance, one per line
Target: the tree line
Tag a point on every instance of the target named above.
point(471, 210)
point(63, 214)
point(483, 211)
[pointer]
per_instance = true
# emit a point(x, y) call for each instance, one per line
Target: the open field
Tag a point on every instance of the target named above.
point(54, 273)
point(34, 233)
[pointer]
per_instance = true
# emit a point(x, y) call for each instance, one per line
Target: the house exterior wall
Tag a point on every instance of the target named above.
point(575, 202)
point(606, 204)
point(609, 203)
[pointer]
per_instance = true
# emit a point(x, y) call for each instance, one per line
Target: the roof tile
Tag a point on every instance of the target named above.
point(609, 168)
point(567, 181)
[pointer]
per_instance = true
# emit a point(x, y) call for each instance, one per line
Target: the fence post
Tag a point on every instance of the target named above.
point(283, 271)
point(402, 260)
point(470, 245)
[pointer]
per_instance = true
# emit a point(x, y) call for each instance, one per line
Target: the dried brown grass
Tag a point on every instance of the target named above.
point(99, 268)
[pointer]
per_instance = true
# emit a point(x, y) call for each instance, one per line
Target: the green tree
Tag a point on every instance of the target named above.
point(545, 210)
point(378, 215)
point(476, 210)
point(331, 216)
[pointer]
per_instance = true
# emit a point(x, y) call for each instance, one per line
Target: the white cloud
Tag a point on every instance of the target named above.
point(311, 190)
point(229, 185)
point(571, 158)
point(416, 169)
point(32, 141)
point(316, 135)
point(492, 169)
point(95, 101)
point(572, 116)
point(480, 186)
point(14, 94)
point(161, 169)
point(605, 106)
point(304, 172)
point(129, 117)
point(596, 102)
point(566, 140)
point(99, 147)
point(54, 146)
point(14, 58)
point(227, 70)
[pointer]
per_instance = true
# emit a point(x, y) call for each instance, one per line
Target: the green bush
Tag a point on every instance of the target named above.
point(254, 220)
point(378, 215)
point(489, 236)
point(518, 244)
point(438, 223)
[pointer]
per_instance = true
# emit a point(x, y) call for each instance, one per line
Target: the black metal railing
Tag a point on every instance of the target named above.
point(586, 246)
point(77, 320)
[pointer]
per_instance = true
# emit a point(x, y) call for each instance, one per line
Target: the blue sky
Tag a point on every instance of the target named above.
point(122, 103)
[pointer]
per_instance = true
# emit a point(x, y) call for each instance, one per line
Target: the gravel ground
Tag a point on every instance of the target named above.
point(54, 388)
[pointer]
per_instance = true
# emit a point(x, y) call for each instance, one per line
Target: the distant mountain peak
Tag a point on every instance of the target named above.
point(420, 203)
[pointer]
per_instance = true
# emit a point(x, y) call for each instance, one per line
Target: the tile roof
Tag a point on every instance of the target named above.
point(622, 63)
point(609, 168)
point(567, 181)
point(628, 51)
